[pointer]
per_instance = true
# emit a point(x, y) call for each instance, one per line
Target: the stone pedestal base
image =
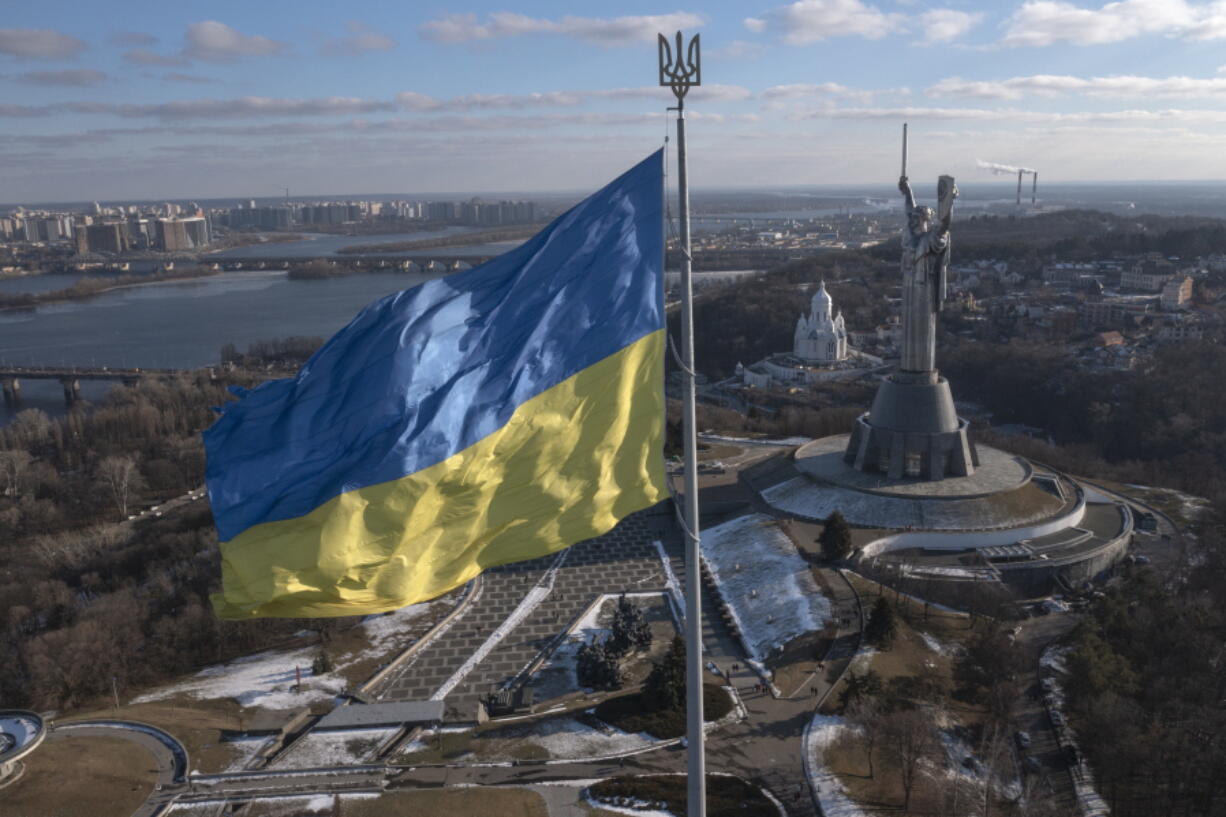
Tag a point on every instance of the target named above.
point(912, 431)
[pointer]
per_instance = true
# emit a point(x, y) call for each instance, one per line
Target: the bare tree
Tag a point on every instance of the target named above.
point(123, 478)
point(910, 739)
point(866, 715)
point(13, 467)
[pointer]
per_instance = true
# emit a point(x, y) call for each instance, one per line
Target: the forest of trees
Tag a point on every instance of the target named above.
point(89, 596)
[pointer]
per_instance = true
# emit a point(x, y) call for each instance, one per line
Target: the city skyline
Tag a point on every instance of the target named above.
point(250, 100)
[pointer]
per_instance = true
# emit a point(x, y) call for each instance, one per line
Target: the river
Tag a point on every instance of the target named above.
point(179, 324)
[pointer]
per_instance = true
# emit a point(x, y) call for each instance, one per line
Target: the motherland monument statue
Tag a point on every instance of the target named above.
point(913, 431)
point(925, 265)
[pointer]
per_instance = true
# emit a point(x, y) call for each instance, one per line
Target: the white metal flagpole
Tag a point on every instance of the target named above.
point(680, 74)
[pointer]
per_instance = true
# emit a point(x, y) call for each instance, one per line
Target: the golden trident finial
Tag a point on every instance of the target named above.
point(679, 74)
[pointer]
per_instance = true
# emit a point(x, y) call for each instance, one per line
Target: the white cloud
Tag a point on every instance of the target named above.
point(703, 93)
point(459, 28)
point(241, 108)
point(1044, 22)
point(831, 90)
point(217, 42)
point(78, 78)
point(361, 39)
point(807, 21)
point(943, 25)
point(1015, 115)
point(1054, 85)
point(39, 43)
point(413, 101)
point(755, 24)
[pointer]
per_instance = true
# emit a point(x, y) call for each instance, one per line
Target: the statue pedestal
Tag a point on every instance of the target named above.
point(912, 431)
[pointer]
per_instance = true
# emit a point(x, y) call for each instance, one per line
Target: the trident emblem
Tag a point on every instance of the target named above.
point(680, 74)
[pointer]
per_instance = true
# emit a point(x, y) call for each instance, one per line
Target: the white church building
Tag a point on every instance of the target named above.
point(820, 337)
point(819, 351)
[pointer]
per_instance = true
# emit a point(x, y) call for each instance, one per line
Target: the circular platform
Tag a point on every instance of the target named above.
point(996, 473)
point(20, 733)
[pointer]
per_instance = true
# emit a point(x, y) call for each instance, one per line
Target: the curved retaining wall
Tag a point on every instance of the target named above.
point(951, 540)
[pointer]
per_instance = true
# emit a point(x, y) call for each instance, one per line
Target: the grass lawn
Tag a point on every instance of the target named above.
point(631, 714)
point(726, 796)
point(81, 777)
point(196, 723)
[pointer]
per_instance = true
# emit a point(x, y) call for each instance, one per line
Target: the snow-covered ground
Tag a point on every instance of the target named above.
point(671, 584)
point(784, 441)
point(938, 646)
point(242, 751)
point(333, 747)
point(1089, 803)
point(823, 731)
point(635, 811)
point(289, 806)
point(764, 582)
point(1005, 782)
point(569, 738)
point(267, 679)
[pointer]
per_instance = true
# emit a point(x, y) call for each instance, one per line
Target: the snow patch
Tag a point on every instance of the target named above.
point(823, 731)
point(765, 584)
point(243, 751)
point(334, 747)
point(784, 441)
point(938, 646)
point(569, 738)
point(264, 679)
point(671, 583)
point(644, 810)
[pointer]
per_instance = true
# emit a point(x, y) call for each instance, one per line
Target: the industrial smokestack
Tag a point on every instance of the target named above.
point(1034, 190)
point(1019, 186)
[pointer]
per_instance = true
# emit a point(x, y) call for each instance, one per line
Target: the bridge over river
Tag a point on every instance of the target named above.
point(70, 377)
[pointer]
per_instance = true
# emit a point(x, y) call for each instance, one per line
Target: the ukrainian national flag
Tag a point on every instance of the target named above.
point(498, 414)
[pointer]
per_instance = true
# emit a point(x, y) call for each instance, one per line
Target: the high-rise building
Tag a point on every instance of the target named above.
point(107, 237)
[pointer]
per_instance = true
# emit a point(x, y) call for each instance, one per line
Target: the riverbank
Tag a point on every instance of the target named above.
point(458, 240)
point(91, 287)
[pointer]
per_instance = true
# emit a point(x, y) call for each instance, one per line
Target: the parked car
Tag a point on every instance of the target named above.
point(1071, 755)
point(1031, 764)
point(1057, 717)
point(1023, 740)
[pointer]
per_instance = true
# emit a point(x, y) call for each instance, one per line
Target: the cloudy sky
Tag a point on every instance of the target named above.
point(154, 99)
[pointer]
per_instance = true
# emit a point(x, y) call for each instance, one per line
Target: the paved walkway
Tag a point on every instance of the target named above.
point(624, 558)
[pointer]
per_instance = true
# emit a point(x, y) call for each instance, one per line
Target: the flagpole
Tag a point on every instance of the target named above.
point(680, 74)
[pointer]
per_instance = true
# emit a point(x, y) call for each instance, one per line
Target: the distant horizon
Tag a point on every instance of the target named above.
point(695, 191)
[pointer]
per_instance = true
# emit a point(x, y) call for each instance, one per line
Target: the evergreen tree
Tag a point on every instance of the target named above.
point(882, 625)
point(630, 629)
point(596, 667)
point(835, 538)
point(664, 688)
point(860, 688)
point(322, 664)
